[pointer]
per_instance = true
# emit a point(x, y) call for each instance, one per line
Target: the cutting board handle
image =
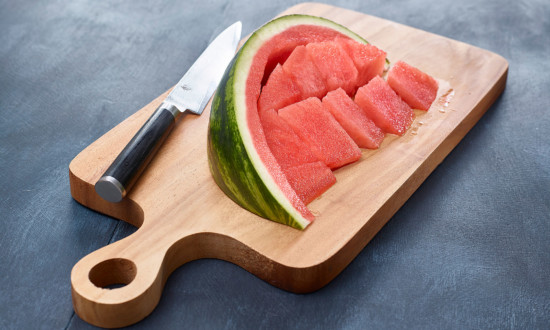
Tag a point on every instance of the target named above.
point(121, 284)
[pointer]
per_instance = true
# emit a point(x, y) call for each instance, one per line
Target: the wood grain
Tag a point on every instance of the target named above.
point(182, 215)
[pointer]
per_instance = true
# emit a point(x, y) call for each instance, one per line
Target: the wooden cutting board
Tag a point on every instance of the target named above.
point(182, 215)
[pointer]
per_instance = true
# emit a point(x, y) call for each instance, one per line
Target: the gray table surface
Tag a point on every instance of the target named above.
point(470, 249)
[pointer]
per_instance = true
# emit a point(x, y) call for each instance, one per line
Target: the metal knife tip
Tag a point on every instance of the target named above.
point(238, 28)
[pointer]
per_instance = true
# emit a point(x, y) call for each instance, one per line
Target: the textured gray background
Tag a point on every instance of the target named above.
point(470, 249)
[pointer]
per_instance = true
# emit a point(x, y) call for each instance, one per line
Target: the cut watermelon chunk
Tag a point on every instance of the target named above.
point(384, 106)
point(368, 59)
point(354, 120)
point(287, 148)
point(308, 176)
point(278, 92)
point(316, 126)
point(415, 87)
point(278, 47)
point(310, 180)
point(305, 74)
point(334, 64)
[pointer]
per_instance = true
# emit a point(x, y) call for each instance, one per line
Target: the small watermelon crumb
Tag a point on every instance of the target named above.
point(350, 116)
point(287, 148)
point(415, 87)
point(278, 92)
point(310, 180)
point(368, 59)
point(334, 64)
point(383, 106)
point(318, 128)
point(305, 74)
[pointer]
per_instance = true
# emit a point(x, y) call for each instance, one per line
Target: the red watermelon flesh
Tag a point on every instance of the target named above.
point(274, 51)
point(368, 59)
point(318, 128)
point(278, 92)
point(305, 74)
point(287, 148)
point(308, 176)
point(289, 153)
point(310, 180)
point(384, 106)
point(279, 47)
point(350, 116)
point(334, 64)
point(415, 87)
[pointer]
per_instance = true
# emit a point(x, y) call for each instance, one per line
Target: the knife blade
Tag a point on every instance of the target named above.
point(191, 93)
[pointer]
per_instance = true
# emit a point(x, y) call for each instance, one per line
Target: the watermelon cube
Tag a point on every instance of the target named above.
point(287, 148)
point(383, 106)
point(278, 92)
point(308, 176)
point(368, 59)
point(305, 74)
point(318, 128)
point(335, 65)
point(415, 87)
point(310, 180)
point(352, 118)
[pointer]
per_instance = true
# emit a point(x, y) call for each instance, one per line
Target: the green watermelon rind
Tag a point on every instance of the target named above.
point(234, 162)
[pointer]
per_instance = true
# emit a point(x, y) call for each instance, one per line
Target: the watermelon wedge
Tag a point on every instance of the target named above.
point(350, 116)
point(310, 180)
point(384, 106)
point(240, 159)
point(316, 126)
point(278, 92)
point(308, 176)
point(334, 64)
point(306, 75)
point(287, 148)
point(415, 87)
point(368, 59)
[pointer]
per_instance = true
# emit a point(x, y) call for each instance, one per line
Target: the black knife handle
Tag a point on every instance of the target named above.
point(134, 158)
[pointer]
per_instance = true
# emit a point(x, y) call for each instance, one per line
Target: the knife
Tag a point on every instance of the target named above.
point(191, 93)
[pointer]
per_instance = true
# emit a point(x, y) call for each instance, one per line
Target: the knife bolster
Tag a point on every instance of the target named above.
point(172, 108)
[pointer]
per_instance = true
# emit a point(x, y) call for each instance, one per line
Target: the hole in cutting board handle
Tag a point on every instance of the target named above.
point(113, 273)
